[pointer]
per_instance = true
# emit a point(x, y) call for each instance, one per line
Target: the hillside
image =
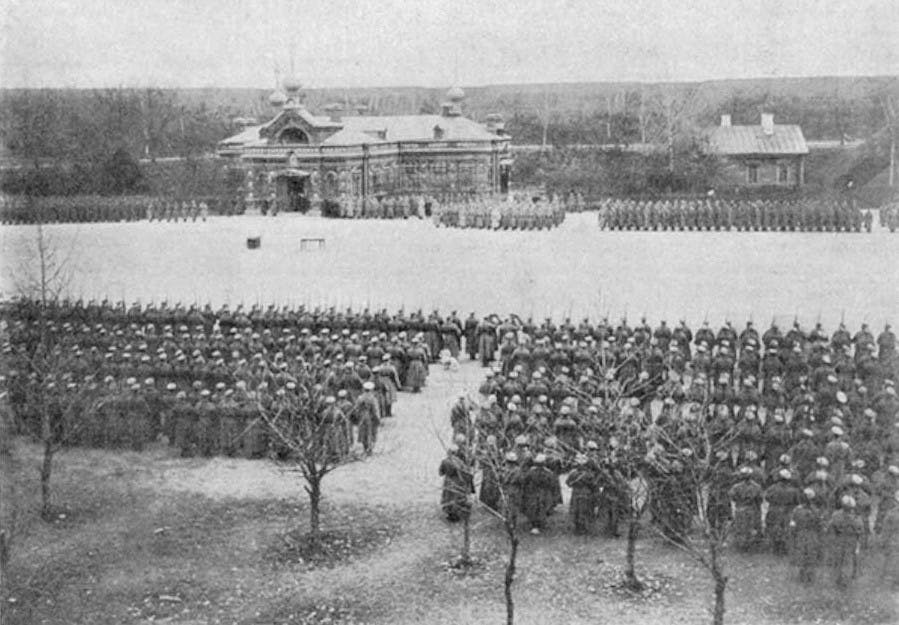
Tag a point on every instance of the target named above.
point(815, 102)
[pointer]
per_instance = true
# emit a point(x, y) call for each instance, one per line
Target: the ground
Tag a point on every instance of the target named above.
point(575, 268)
point(151, 537)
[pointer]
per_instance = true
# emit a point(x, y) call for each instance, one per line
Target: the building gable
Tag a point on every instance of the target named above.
point(296, 126)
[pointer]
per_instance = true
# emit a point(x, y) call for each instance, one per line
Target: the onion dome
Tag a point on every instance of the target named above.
point(292, 84)
point(455, 94)
point(277, 98)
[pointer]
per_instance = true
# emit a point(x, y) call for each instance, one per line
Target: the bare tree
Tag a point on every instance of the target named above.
point(61, 403)
point(508, 483)
point(671, 120)
point(546, 112)
point(888, 102)
point(688, 469)
point(312, 435)
point(500, 490)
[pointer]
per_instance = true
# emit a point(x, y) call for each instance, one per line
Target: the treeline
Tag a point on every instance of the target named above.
point(76, 142)
point(596, 173)
point(97, 141)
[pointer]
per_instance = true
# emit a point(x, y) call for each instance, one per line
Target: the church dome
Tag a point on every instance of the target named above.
point(292, 83)
point(455, 94)
point(277, 98)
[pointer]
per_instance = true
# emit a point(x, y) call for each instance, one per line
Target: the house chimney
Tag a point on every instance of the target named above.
point(495, 124)
point(334, 112)
point(768, 123)
point(725, 120)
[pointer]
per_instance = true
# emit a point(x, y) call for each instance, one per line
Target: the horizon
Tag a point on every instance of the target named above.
point(749, 79)
point(378, 44)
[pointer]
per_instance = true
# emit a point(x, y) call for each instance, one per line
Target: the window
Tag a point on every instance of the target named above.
point(752, 173)
point(783, 173)
point(293, 135)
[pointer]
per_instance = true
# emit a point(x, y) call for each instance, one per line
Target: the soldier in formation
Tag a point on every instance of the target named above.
point(197, 375)
point(889, 216)
point(382, 206)
point(88, 209)
point(516, 212)
point(710, 213)
point(803, 429)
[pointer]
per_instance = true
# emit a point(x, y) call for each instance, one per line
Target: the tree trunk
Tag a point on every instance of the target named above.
point(633, 529)
point(720, 586)
point(4, 555)
point(46, 470)
point(466, 539)
point(893, 160)
point(510, 576)
point(315, 499)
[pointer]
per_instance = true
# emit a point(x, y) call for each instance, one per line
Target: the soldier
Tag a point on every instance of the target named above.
point(367, 417)
point(807, 525)
point(885, 484)
point(458, 485)
point(511, 478)
point(844, 531)
point(747, 497)
point(538, 493)
point(584, 491)
point(782, 497)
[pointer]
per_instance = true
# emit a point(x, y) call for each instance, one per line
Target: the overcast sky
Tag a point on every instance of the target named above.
point(232, 43)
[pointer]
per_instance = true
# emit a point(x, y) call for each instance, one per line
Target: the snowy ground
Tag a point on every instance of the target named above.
point(576, 267)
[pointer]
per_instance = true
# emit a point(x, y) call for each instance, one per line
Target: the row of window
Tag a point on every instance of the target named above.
point(752, 173)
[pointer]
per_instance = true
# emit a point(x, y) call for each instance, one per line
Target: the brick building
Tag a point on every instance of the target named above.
point(767, 154)
point(301, 160)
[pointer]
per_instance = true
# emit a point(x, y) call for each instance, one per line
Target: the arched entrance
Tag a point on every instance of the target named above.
point(292, 190)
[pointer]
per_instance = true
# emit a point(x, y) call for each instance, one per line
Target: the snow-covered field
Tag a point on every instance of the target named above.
point(576, 267)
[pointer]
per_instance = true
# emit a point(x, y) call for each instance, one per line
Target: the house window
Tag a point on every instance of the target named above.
point(293, 135)
point(783, 173)
point(752, 173)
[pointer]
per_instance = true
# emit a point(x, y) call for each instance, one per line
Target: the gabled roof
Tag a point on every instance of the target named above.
point(420, 127)
point(349, 136)
point(358, 130)
point(248, 134)
point(787, 139)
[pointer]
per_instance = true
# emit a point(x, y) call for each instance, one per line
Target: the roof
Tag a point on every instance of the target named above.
point(740, 140)
point(420, 127)
point(349, 136)
point(365, 129)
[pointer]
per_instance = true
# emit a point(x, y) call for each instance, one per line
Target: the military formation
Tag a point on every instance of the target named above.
point(889, 216)
point(195, 376)
point(379, 207)
point(87, 209)
point(793, 435)
point(780, 215)
point(516, 212)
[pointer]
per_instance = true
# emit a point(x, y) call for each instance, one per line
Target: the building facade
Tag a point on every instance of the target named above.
point(299, 161)
point(768, 154)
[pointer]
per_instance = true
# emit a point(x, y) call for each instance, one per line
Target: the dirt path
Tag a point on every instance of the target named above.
point(403, 470)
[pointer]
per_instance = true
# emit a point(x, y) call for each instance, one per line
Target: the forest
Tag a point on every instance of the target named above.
point(112, 141)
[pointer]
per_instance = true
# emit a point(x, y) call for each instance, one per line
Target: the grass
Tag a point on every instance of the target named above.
point(135, 546)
